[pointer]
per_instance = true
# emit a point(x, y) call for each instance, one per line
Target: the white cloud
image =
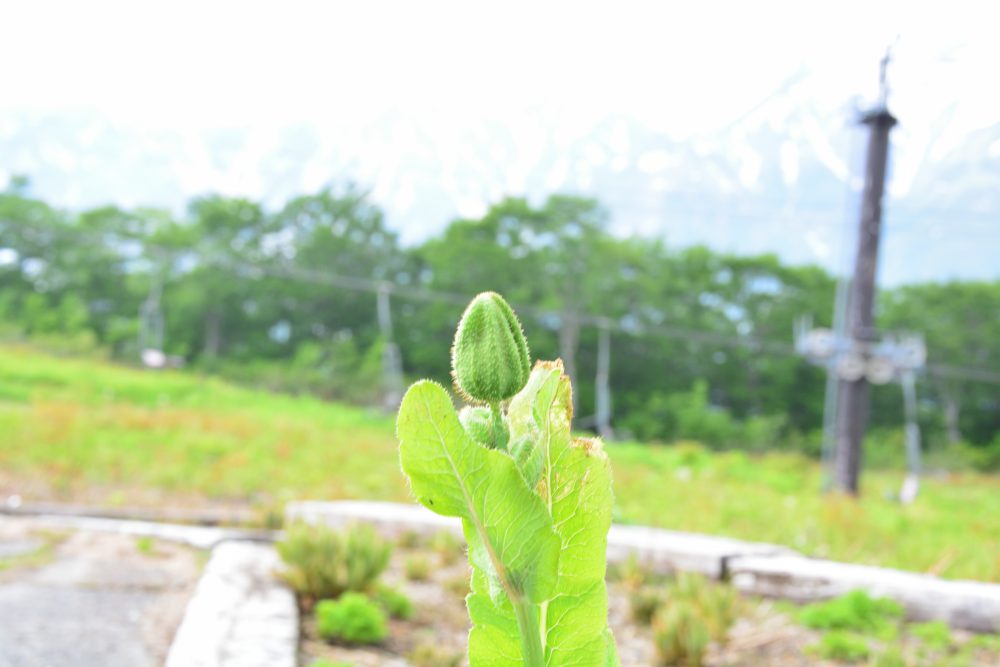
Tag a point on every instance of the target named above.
point(750, 165)
point(677, 68)
point(789, 159)
point(819, 246)
point(470, 207)
point(652, 162)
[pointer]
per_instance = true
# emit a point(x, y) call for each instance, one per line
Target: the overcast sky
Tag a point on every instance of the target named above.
point(684, 68)
point(687, 70)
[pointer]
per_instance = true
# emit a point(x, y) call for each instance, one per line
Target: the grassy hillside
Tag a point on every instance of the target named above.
point(85, 430)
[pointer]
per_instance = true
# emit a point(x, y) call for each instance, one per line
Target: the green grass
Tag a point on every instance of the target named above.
point(844, 646)
point(74, 424)
point(856, 626)
point(855, 610)
point(41, 555)
point(951, 529)
point(76, 428)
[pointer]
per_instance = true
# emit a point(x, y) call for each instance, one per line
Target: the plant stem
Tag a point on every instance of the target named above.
point(532, 652)
point(498, 429)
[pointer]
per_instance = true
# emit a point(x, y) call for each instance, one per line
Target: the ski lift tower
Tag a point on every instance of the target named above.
point(895, 357)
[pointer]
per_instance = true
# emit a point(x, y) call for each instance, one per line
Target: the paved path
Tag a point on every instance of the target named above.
point(88, 599)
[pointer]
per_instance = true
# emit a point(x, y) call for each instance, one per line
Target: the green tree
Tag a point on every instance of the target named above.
point(960, 326)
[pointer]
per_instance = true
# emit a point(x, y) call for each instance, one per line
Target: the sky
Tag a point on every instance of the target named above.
point(686, 70)
point(211, 64)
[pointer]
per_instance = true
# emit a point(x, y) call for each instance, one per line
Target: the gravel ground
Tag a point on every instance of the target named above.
point(764, 636)
point(439, 630)
point(88, 599)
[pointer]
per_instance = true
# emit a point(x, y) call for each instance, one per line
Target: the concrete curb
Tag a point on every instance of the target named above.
point(200, 537)
point(971, 605)
point(205, 516)
point(240, 615)
point(659, 550)
point(668, 550)
point(753, 567)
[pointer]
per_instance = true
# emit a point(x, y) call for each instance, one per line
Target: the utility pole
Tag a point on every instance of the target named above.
point(853, 394)
point(392, 365)
point(602, 383)
point(151, 323)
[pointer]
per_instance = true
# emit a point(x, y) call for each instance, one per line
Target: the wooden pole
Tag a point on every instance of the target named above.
point(853, 395)
point(392, 366)
point(602, 383)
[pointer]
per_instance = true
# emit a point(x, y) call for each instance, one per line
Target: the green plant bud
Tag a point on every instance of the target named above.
point(490, 356)
point(476, 422)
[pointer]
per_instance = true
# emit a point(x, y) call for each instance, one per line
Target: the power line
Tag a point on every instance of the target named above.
point(772, 346)
point(965, 373)
point(374, 286)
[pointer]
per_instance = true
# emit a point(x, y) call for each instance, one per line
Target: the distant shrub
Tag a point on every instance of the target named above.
point(935, 634)
point(985, 642)
point(457, 585)
point(840, 645)
point(631, 572)
point(353, 619)
point(986, 458)
point(335, 369)
point(762, 433)
point(323, 662)
point(409, 539)
point(680, 634)
point(644, 602)
point(324, 564)
point(885, 448)
point(433, 655)
point(696, 418)
point(446, 546)
point(418, 567)
point(691, 415)
point(891, 657)
point(721, 607)
point(80, 343)
point(691, 454)
point(853, 611)
point(395, 602)
point(718, 604)
point(145, 545)
point(695, 613)
point(269, 510)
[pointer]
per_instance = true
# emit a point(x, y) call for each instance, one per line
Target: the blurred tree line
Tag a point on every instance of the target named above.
point(243, 292)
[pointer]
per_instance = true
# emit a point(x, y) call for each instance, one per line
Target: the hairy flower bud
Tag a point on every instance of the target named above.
point(490, 356)
point(477, 424)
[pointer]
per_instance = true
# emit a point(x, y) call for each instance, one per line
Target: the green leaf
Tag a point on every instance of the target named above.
point(529, 459)
point(576, 487)
point(527, 419)
point(612, 649)
point(536, 522)
point(528, 413)
point(507, 525)
point(493, 641)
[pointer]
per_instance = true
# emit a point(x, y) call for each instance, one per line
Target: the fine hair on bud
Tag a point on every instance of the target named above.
point(476, 422)
point(489, 359)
